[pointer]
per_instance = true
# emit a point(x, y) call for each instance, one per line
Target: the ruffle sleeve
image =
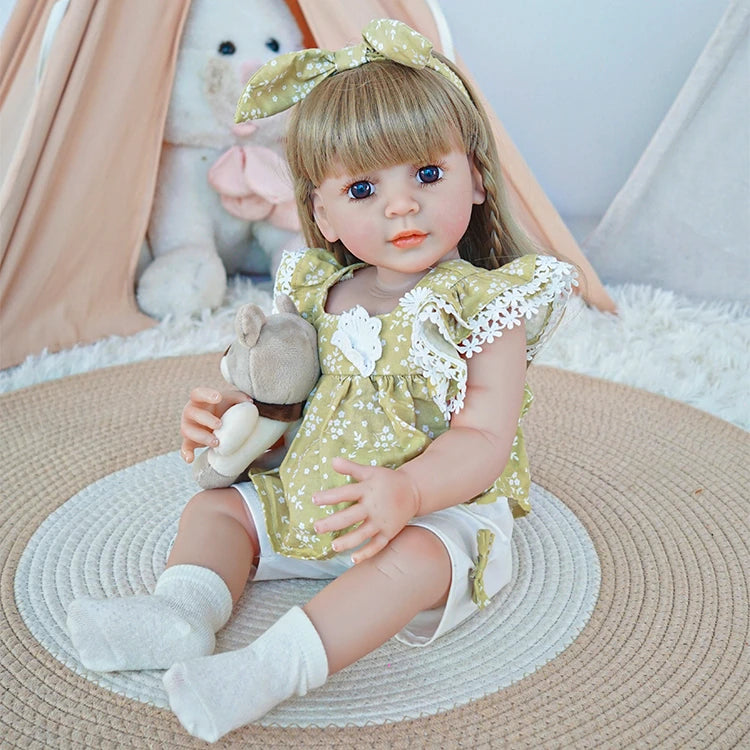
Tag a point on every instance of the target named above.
point(453, 321)
point(305, 275)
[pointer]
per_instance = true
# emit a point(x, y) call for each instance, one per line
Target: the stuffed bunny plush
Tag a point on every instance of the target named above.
point(274, 360)
point(224, 202)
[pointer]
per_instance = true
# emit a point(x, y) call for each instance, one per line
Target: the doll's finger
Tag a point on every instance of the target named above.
point(205, 395)
point(198, 436)
point(354, 538)
point(350, 468)
point(376, 544)
point(342, 519)
point(187, 452)
point(200, 416)
point(347, 493)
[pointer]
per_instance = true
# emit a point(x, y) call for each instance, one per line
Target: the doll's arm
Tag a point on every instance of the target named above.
point(466, 459)
point(457, 466)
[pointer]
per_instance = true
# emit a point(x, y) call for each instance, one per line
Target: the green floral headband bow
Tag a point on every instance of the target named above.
point(285, 80)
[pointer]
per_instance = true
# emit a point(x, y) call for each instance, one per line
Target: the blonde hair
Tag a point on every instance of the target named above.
point(383, 113)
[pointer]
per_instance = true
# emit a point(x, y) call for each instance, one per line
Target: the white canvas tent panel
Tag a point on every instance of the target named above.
point(682, 219)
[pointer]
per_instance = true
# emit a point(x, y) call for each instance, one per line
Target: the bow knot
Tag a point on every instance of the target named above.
point(288, 78)
point(396, 41)
point(350, 57)
point(254, 185)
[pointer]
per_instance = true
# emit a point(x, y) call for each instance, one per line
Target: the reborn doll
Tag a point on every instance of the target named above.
point(403, 480)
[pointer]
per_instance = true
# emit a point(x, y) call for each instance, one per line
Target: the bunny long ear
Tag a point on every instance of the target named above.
point(247, 324)
point(285, 304)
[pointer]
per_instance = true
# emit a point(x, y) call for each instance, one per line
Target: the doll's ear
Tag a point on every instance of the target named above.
point(321, 218)
point(477, 183)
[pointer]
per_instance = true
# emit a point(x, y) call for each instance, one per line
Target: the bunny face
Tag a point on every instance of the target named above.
point(223, 43)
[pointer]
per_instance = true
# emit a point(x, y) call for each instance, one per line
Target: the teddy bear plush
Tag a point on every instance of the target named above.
point(274, 360)
point(223, 202)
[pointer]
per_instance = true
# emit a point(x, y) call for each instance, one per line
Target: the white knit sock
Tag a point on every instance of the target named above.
point(215, 694)
point(178, 621)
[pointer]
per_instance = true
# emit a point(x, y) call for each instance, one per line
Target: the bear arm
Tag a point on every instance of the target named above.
point(267, 432)
point(237, 424)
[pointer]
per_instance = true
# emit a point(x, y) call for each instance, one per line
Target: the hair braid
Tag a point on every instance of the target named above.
point(493, 238)
point(494, 229)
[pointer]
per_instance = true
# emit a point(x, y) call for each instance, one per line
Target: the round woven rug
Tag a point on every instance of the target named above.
point(112, 539)
point(659, 489)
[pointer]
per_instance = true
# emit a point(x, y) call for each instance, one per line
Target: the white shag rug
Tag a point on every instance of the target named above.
point(694, 352)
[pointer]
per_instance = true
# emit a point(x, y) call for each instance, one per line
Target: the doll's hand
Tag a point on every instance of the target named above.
point(202, 415)
point(384, 501)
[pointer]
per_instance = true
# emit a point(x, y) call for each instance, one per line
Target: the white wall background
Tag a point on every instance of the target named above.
point(581, 85)
point(6, 6)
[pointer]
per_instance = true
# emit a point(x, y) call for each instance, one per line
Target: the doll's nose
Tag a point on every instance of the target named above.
point(401, 204)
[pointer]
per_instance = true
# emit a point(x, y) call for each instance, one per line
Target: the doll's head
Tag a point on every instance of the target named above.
point(381, 112)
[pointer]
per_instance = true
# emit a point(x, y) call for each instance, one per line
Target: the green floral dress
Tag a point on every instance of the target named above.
point(391, 382)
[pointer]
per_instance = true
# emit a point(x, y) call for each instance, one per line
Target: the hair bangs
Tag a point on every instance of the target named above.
point(384, 115)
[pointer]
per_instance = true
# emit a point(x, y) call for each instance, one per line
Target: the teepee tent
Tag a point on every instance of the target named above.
point(84, 88)
point(682, 219)
point(81, 143)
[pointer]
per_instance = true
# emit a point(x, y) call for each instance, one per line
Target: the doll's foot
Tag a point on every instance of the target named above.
point(176, 622)
point(136, 632)
point(216, 694)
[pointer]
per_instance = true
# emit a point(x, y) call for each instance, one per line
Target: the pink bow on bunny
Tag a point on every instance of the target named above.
point(254, 185)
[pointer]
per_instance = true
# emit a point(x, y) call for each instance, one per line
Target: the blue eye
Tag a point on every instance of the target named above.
point(227, 48)
point(362, 189)
point(273, 44)
point(428, 174)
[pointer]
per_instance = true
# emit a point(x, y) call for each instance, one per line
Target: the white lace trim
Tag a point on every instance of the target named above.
point(358, 338)
point(433, 352)
point(289, 260)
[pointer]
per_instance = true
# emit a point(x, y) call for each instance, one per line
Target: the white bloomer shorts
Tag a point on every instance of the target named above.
point(456, 528)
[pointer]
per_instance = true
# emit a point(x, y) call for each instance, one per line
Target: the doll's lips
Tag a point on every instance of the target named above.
point(408, 239)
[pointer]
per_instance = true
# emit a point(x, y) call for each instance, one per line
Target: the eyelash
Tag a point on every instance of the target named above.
point(440, 165)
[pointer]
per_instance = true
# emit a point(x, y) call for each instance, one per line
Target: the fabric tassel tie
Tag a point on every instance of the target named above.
point(485, 538)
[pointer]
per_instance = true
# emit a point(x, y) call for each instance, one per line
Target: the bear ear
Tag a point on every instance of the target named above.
point(284, 304)
point(247, 324)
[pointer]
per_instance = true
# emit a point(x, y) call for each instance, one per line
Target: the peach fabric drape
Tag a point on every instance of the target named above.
point(332, 26)
point(79, 153)
point(79, 172)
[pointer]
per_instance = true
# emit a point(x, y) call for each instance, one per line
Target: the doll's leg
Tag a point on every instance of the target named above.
point(348, 619)
point(370, 603)
point(217, 532)
point(207, 570)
